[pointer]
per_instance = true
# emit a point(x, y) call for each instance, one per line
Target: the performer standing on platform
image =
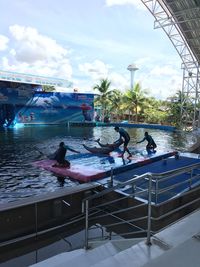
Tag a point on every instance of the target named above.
point(125, 137)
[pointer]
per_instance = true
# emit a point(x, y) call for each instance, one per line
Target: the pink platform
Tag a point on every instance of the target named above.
point(84, 173)
point(78, 172)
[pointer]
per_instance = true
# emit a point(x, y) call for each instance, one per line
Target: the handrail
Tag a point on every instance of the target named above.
point(175, 210)
point(41, 232)
point(140, 177)
point(151, 179)
point(176, 171)
point(121, 210)
point(109, 190)
point(160, 191)
point(126, 209)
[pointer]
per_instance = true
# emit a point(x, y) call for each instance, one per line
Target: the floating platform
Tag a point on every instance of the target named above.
point(88, 167)
point(78, 172)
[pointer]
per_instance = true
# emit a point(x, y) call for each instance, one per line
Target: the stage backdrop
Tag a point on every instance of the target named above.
point(25, 103)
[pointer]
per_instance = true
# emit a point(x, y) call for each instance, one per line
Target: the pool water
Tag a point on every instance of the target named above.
point(20, 147)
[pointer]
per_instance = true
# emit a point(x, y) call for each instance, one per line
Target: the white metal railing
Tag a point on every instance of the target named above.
point(147, 188)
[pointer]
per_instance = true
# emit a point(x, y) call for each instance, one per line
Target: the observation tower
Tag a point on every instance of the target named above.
point(132, 68)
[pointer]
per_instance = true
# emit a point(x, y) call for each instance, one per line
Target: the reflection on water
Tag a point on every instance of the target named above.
point(21, 146)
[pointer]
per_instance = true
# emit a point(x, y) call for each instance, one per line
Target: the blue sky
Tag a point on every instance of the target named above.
point(86, 40)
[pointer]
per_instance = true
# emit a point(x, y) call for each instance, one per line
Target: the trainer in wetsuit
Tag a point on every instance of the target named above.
point(60, 156)
point(151, 145)
point(126, 138)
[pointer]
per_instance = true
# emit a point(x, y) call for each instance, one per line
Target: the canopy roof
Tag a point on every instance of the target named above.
point(186, 14)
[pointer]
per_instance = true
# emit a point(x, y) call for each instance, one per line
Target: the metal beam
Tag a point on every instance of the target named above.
point(167, 20)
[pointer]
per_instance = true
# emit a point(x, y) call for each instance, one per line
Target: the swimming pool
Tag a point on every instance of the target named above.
point(22, 146)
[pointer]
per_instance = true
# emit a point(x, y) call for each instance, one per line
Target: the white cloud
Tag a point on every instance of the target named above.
point(99, 70)
point(3, 42)
point(162, 86)
point(96, 70)
point(160, 81)
point(164, 70)
point(33, 53)
point(118, 81)
point(137, 3)
point(84, 86)
point(32, 46)
point(142, 61)
point(37, 54)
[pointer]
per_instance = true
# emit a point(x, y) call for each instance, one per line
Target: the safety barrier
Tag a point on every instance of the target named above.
point(112, 202)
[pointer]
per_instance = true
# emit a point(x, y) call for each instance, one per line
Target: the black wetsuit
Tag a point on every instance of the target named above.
point(124, 135)
point(151, 144)
point(60, 155)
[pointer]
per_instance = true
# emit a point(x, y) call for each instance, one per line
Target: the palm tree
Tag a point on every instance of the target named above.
point(134, 98)
point(154, 111)
point(176, 103)
point(115, 103)
point(104, 94)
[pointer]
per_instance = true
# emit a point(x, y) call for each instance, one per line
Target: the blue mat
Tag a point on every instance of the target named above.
point(118, 164)
point(164, 166)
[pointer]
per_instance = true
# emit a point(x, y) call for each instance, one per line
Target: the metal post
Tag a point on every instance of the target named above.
point(156, 200)
point(190, 182)
point(133, 189)
point(36, 231)
point(110, 235)
point(149, 212)
point(36, 220)
point(111, 178)
point(86, 223)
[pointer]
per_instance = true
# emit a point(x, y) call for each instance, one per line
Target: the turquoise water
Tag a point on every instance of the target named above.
point(20, 147)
